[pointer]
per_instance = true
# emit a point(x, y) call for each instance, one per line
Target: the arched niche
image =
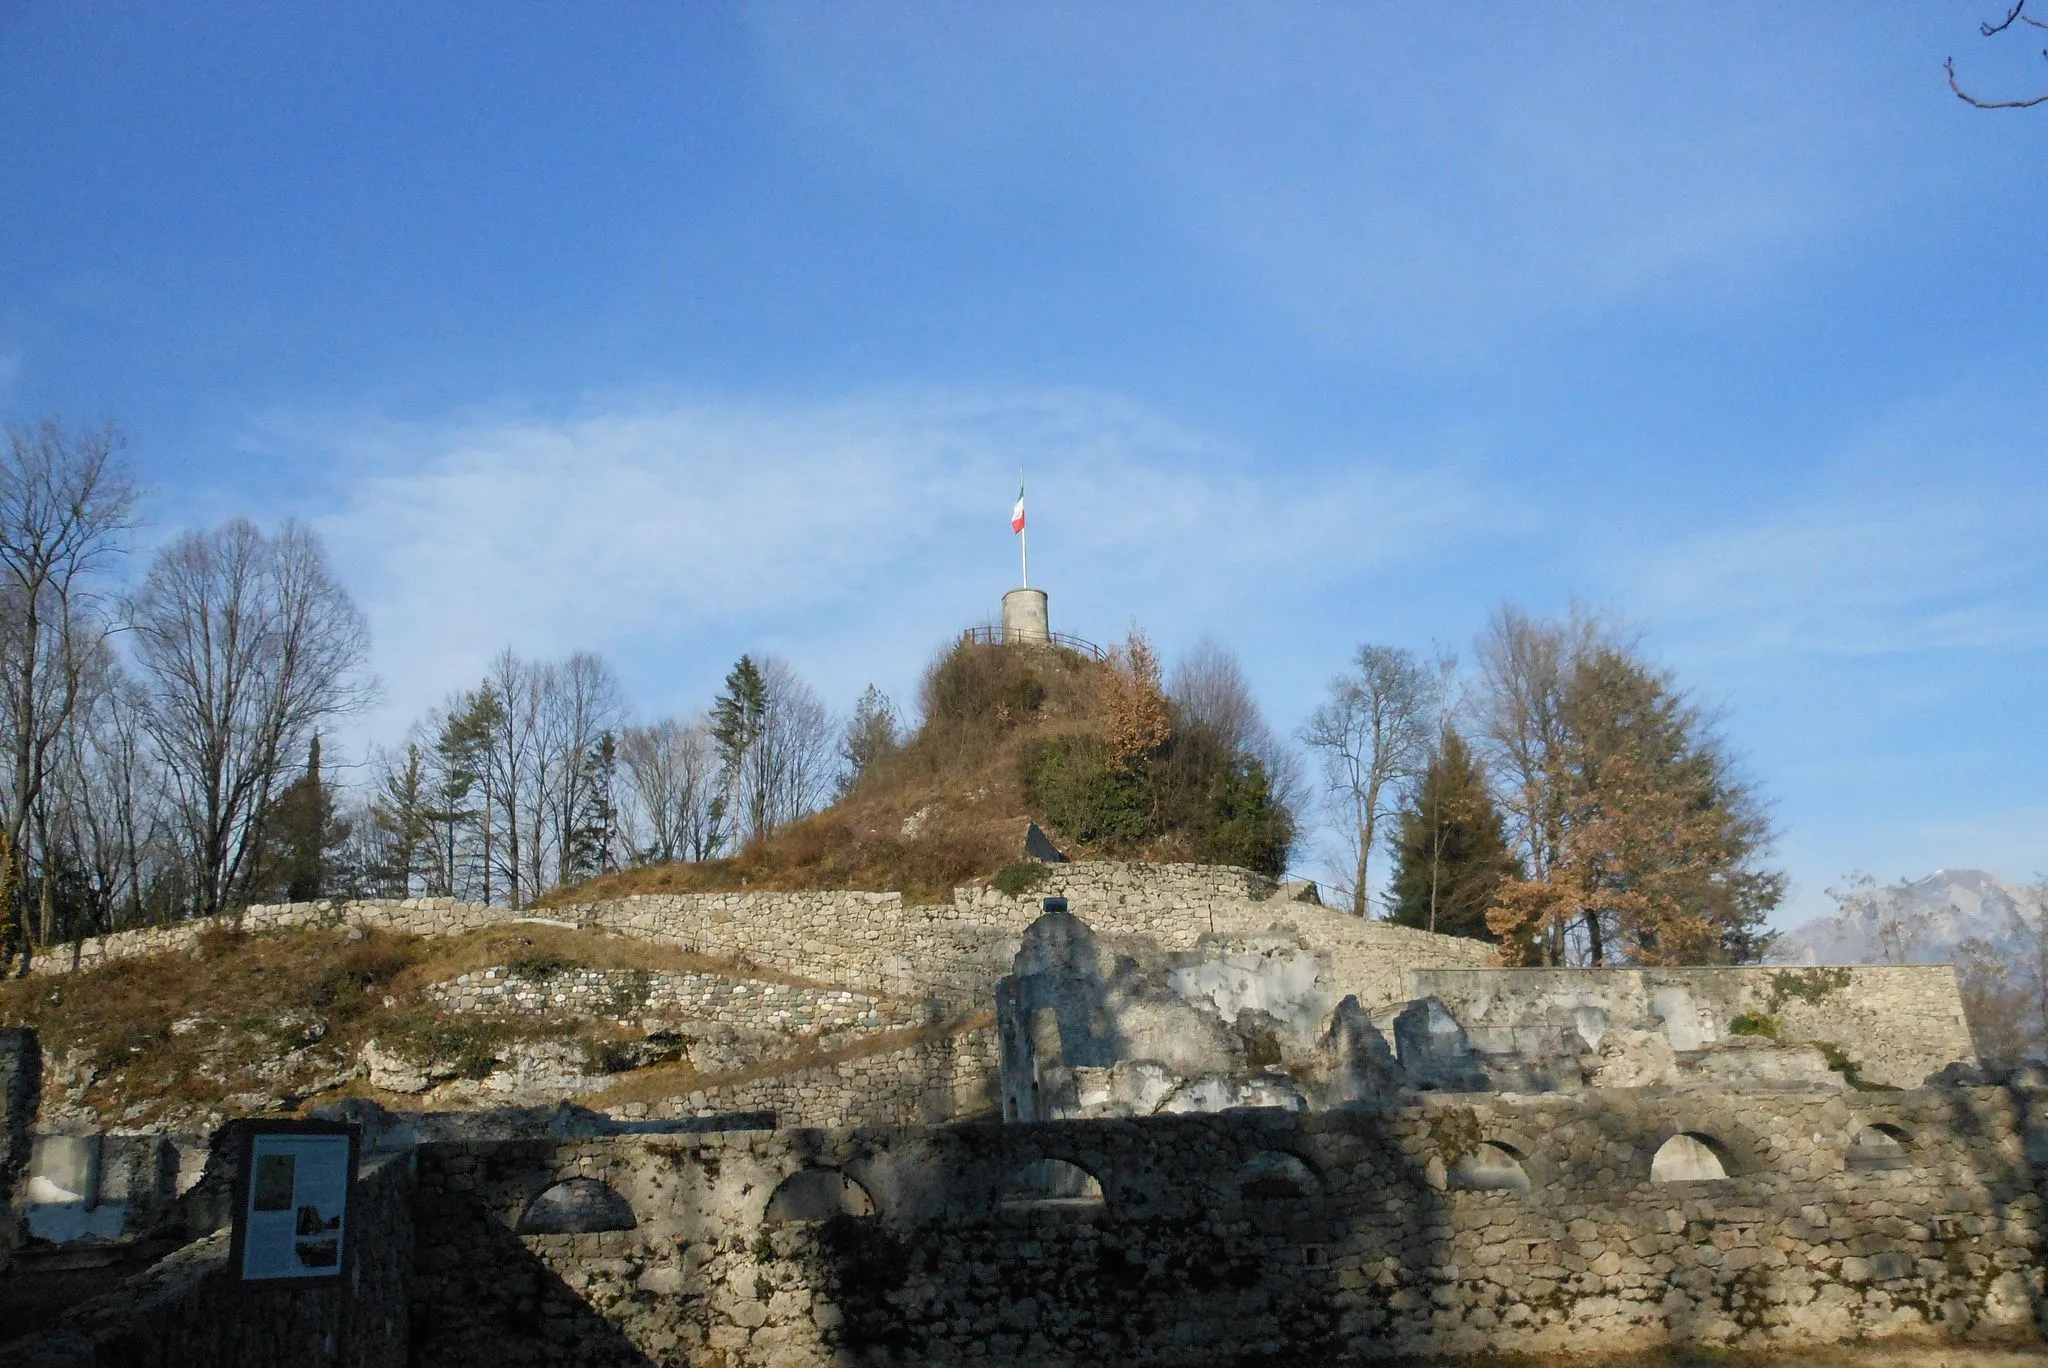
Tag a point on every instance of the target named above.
point(817, 1194)
point(1689, 1157)
point(1492, 1166)
point(1880, 1146)
point(579, 1206)
point(1052, 1183)
point(1275, 1175)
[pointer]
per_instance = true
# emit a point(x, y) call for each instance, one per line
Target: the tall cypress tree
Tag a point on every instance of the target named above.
point(1450, 847)
point(305, 836)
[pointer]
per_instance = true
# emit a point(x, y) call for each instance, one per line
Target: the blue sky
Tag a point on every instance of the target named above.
point(676, 331)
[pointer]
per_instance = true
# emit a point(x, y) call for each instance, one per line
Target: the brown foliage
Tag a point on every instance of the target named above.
point(1133, 703)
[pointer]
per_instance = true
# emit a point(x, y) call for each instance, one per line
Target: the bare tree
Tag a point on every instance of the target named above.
point(797, 754)
point(66, 501)
point(677, 808)
point(581, 705)
point(2016, 15)
point(1372, 735)
point(248, 643)
point(1888, 917)
point(1208, 686)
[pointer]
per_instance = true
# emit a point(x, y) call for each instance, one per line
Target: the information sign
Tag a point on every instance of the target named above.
point(292, 1201)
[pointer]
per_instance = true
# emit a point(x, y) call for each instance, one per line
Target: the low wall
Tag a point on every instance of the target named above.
point(1897, 1023)
point(1333, 1237)
point(189, 1311)
point(877, 943)
point(954, 1077)
point(635, 995)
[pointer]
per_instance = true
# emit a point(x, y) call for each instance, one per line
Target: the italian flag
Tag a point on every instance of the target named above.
point(1017, 513)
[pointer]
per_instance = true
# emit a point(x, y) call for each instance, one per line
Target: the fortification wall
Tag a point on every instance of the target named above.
point(948, 1078)
point(1336, 1237)
point(874, 942)
point(1897, 1023)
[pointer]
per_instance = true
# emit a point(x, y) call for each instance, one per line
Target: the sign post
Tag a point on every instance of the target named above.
point(292, 1203)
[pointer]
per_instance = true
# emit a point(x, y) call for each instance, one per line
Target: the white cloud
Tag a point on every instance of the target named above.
point(848, 532)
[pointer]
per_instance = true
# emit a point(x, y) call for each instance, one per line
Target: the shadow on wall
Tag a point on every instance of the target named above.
point(491, 1299)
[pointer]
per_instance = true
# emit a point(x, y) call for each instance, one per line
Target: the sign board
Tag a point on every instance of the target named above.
point(292, 1201)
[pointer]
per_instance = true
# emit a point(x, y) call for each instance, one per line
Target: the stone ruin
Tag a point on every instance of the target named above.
point(1089, 1029)
point(1264, 1136)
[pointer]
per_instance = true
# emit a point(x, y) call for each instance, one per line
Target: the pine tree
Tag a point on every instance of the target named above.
point(870, 734)
point(594, 833)
point(305, 838)
point(403, 813)
point(739, 719)
point(1450, 847)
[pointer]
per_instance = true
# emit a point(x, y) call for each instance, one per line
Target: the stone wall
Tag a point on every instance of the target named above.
point(954, 1076)
point(188, 1310)
point(877, 943)
point(21, 1085)
point(664, 995)
point(1472, 1223)
point(1897, 1023)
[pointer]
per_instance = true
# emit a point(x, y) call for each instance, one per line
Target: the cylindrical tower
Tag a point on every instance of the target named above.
point(1024, 617)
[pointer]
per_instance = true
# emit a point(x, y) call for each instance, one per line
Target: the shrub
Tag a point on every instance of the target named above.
point(1070, 780)
point(1754, 1024)
point(1019, 879)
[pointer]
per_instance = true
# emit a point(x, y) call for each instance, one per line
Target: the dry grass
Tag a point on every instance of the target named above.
point(246, 1002)
point(663, 1081)
point(2023, 1351)
point(946, 810)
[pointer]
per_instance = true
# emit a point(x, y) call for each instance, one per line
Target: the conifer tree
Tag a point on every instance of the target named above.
point(1450, 847)
point(305, 836)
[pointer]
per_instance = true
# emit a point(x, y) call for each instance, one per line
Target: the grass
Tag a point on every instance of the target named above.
point(187, 1030)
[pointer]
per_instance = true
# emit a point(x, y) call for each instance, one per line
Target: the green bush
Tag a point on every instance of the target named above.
point(1016, 880)
point(1070, 780)
point(1754, 1024)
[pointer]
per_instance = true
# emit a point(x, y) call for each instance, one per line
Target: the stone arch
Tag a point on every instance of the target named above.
point(1052, 1183)
point(1276, 1175)
point(577, 1206)
point(1879, 1146)
point(1689, 1157)
point(1492, 1165)
point(817, 1194)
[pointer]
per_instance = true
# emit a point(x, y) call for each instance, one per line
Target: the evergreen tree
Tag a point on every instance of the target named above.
point(594, 834)
point(403, 813)
point(870, 735)
point(306, 838)
point(1450, 847)
point(739, 721)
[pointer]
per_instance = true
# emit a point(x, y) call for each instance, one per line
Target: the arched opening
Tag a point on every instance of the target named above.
point(1491, 1166)
point(1052, 1182)
point(1689, 1158)
point(817, 1194)
point(1275, 1175)
point(580, 1206)
point(1880, 1147)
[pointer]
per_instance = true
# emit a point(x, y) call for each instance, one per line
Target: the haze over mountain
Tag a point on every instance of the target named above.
point(1942, 911)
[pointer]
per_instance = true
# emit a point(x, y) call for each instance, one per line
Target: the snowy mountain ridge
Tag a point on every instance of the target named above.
point(1922, 921)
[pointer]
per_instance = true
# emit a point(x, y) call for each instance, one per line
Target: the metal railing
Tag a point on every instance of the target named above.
point(993, 636)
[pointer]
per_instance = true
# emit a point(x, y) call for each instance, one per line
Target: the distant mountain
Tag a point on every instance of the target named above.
point(1942, 910)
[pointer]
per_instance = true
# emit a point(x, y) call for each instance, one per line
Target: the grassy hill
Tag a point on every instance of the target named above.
point(1011, 735)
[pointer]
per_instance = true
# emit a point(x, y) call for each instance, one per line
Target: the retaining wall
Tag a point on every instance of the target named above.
point(1897, 1023)
point(1332, 1237)
point(876, 943)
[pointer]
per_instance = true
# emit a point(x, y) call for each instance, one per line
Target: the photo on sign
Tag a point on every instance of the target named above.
point(274, 1177)
point(311, 1222)
point(319, 1253)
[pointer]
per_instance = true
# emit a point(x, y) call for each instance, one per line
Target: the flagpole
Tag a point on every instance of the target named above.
point(1024, 535)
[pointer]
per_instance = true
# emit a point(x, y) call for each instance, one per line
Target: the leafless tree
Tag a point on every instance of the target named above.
point(677, 809)
point(66, 502)
point(795, 757)
point(247, 644)
point(2016, 15)
point(1372, 735)
point(1208, 686)
point(1521, 715)
point(581, 702)
point(1888, 917)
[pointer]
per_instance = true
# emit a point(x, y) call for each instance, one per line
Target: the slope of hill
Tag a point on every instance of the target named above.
point(1942, 911)
point(1007, 739)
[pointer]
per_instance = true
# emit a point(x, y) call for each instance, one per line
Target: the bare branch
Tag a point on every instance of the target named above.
point(1988, 29)
point(1967, 98)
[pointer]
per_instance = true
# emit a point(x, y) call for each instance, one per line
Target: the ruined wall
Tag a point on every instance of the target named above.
point(1341, 1236)
point(1897, 1023)
point(952, 1077)
point(877, 943)
point(188, 1311)
point(21, 1085)
point(665, 995)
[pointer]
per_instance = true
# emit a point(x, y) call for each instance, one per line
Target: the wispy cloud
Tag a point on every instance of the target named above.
point(852, 525)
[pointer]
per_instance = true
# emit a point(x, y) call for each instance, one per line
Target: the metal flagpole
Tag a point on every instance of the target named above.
point(1024, 533)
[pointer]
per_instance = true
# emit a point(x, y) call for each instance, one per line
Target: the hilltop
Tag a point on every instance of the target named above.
point(1092, 750)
